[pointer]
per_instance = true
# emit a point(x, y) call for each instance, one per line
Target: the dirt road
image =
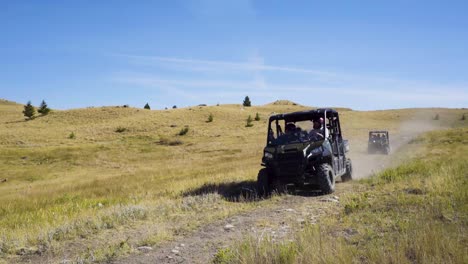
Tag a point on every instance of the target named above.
point(276, 222)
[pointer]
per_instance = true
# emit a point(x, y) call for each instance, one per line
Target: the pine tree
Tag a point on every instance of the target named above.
point(249, 122)
point(247, 102)
point(210, 118)
point(29, 110)
point(174, 107)
point(43, 108)
point(147, 106)
point(257, 117)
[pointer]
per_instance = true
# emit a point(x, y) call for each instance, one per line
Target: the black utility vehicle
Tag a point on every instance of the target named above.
point(304, 148)
point(379, 141)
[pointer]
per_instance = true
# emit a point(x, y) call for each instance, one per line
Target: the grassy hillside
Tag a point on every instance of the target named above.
point(414, 213)
point(97, 173)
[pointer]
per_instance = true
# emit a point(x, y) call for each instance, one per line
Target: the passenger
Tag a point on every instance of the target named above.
point(384, 137)
point(290, 128)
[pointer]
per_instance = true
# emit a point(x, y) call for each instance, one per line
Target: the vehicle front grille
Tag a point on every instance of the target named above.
point(290, 164)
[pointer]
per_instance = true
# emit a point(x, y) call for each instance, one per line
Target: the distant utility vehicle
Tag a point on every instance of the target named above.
point(379, 141)
point(304, 148)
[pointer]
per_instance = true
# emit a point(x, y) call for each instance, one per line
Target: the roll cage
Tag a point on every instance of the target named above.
point(331, 126)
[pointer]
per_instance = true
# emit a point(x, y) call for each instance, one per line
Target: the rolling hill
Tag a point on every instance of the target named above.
point(106, 173)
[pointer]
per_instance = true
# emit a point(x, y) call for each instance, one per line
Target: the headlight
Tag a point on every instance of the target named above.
point(316, 151)
point(268, 155)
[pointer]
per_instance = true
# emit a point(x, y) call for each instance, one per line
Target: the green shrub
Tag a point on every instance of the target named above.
point(210, 118)
point(184, 131)
point(223, 256)
point(257, 117)
point(120, 129)
point(249, 121)
point(72, 135)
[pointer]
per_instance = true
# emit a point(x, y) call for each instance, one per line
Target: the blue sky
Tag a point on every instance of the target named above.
point(361, 54)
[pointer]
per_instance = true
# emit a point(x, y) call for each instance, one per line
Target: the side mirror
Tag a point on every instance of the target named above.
point(346, 145)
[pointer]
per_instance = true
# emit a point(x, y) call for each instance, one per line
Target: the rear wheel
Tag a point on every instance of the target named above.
point(326, 178)
point(349, 171)
point(263, 183)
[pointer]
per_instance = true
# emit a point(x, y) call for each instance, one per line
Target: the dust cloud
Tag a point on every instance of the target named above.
point(366, 165)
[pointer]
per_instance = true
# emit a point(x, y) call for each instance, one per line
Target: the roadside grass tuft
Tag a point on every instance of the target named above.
point(223, 256)
point(105, 255)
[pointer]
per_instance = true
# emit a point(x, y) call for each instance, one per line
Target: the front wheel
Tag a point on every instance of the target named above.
point(263, 183)
point(349, 171)
point(326, 178)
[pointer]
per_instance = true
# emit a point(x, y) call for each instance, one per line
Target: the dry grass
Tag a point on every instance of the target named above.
point(59, 188)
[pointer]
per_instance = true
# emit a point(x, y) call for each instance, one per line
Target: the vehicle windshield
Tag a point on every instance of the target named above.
point(377, 136)
point(283, 133)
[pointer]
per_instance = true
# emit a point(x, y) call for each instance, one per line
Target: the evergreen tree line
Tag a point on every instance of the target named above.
point(245, 103)
point(30, 111)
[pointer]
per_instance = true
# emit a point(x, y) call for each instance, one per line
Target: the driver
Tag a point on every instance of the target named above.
point(318, 129)
point(290, 128)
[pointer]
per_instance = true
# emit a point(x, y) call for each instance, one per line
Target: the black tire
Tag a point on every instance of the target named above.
point(326, 178)
point(349, 171)
point(263, 183)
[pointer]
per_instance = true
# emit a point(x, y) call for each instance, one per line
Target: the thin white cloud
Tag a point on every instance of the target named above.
point(256, 64)
point(192, 87)
point(227, 79)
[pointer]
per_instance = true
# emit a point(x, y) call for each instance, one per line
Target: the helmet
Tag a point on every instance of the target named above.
point(320, 120)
